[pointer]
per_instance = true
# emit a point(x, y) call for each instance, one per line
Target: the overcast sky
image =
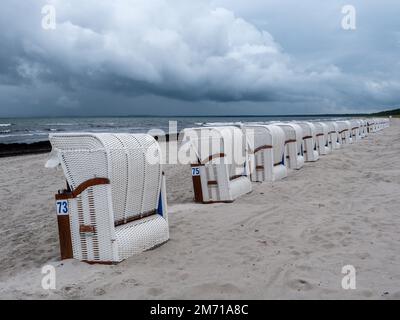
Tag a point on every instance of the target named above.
point(180, 57)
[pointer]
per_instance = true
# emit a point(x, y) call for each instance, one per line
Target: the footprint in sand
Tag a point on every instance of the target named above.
point(155, 291)
point(130, 282)
point(72, 291)
point(99, 292)
point(300, 285)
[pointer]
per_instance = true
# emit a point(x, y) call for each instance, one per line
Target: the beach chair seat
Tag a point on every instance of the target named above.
point(266, 148)
point(294, 157)
point(115, 202)
point(309, 141)
point(219, 163)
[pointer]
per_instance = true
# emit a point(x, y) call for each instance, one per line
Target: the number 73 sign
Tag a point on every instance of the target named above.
point(62, 208)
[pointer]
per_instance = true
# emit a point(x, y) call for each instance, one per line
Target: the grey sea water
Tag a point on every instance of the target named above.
point(28, 130)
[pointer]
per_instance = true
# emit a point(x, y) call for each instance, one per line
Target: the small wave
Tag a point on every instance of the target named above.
point(61, 124)
point(53, 129)
point(5, 131)
point(218, 124)
point(5, 124)
point(103, 125)
point(24, 135)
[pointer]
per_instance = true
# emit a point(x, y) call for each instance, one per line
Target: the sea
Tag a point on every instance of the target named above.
point(29, 130)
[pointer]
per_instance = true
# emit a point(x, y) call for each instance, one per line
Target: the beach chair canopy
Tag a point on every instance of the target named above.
point(308, 129)
point(332, 127)
point(343, 126)
point(261, 137)
point(293, 133)
point(321, 129)
point(211, 144)
point(266, 146)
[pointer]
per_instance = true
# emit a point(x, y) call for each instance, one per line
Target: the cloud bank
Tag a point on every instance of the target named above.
point(183, 50)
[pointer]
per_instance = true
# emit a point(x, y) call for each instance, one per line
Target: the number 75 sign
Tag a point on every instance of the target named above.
point(195, 171)
point(62, 207)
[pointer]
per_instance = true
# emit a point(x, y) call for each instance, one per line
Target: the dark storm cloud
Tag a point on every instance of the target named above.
point(182, 56)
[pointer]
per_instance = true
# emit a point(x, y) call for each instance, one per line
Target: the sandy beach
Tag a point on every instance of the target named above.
point(285, 240)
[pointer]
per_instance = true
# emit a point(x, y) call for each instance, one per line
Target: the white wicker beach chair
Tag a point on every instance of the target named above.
point(309, 141)
point(355, 130)
point(363, 128)
point(381, 123)
point(371, 125)
point(333, 135)
point(377, 126)
point(294, 158)
point(322, 137)
point(266, 148)
point(344, 132)
point(115, 203)
point(220, 169)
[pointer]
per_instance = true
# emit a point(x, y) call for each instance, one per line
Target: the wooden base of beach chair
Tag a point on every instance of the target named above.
point(64, 234)
point(196, 179)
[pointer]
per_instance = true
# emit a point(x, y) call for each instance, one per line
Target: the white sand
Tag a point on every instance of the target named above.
point(288, 239)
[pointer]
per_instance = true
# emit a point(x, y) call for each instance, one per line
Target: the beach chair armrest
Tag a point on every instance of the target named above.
point(82, 187)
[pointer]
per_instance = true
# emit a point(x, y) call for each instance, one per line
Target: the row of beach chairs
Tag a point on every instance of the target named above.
point(269, 152)
point(114, 204)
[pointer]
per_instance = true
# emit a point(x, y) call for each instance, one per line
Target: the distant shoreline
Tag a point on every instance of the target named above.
point(22, 149)
point(19, 149)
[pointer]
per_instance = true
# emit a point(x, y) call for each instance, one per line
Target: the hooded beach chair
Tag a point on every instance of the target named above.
point(219, 163)
point(294, 158)
point(322, 137)
point(382, 123)
point(333, 135)
point(371, 126)
point(378, 124)
point(355, 130)
point(344, 132)
point(363, 128)
point(309, 141)
point(266, 148)
point(115, 202)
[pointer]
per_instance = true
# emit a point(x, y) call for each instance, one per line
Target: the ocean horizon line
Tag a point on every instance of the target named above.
point(194, 116)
